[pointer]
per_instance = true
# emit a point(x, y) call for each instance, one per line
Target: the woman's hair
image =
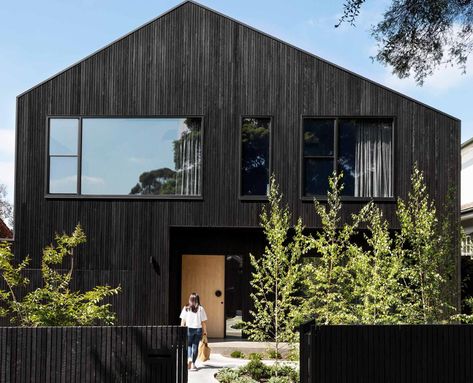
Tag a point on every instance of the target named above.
point(194, 303)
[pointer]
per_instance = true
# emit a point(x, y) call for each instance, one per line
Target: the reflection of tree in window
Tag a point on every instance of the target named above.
point(185, 179)
point(159, 181)
point(255, 156)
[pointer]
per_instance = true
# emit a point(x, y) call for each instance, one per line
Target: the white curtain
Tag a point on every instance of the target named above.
point(188, 161)
point(373, 159)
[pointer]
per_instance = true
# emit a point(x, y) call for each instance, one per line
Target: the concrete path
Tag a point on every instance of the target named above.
point(207, 370)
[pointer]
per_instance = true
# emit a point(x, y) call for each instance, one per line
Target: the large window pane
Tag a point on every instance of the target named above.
point(63, 136)
point(365, 157)
point(318, 137)
point(316, 174)
point(255, 156)
point(63, 175)
point(145, 156)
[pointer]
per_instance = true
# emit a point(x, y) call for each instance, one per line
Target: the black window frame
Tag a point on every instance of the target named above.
point(337, 119)
point(78, 156)
point(78, 195)
point(241, 196)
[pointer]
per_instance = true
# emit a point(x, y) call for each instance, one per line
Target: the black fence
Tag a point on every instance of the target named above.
point(93, 354)
point(386, 354)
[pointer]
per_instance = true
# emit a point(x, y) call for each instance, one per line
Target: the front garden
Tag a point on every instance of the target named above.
point(350, 271)
point(256, 371)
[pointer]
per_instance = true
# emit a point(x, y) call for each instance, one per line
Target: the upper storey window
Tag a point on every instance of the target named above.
point(135, 157)
point(255, 142)
point(63, 155)
point(361, 148)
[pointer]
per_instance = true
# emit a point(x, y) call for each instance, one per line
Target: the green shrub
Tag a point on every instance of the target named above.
point(293, 355)
point(255, 356)
point(280, 379)
point(244, 379)
point(273, 354)
point(54, 303)
point(286, 371)
point(238, 325)
point(227, 375)
point(256, 369)
point(237, 354)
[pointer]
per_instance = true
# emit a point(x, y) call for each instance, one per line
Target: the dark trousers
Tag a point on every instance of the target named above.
point(193, 338)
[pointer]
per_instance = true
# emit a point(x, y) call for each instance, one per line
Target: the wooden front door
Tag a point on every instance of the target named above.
point(205, 275)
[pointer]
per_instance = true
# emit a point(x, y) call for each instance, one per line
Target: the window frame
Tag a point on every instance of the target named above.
point(78, 195)
point(256, 198)
point(337, 119)
point(77, 156)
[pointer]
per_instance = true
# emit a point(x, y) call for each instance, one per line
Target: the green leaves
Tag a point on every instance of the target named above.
point(422, 246)
point(54, 304)
point(386, 278)
point(277, 275)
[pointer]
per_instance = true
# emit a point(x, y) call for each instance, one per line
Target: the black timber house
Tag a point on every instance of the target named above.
point(161, 145)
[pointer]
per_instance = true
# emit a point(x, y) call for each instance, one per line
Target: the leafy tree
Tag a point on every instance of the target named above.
point(376, 270)
point(159, 181)
point(403, 278)
point(420, 35)
point(6, 208)
point(276, 276)
point(330, 289)
point(53, 304)
point(420, 245)
point(186, 155)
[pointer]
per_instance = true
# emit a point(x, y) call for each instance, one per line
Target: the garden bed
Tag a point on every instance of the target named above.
point(256, 371)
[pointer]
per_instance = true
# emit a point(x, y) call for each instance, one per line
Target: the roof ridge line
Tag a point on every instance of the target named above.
point(253, 29)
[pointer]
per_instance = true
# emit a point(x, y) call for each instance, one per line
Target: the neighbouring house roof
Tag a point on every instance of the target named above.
point(466, 208)
point(467, 143)
point(5, 231)
point(187, 2)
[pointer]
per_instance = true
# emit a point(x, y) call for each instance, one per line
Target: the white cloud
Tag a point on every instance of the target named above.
point(444, 79)
point(7, 171)
point(7, 143)
point(138, 160)
point(93, 180)
point(7, 160)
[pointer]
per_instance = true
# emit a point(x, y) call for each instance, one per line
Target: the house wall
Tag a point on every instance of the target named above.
point(193, 61)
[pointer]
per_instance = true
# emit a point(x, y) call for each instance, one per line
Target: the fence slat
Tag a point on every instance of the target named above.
point(93, 354)
point(388, 354)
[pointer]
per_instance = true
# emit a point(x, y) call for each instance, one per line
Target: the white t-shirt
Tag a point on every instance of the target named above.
point(193, 320)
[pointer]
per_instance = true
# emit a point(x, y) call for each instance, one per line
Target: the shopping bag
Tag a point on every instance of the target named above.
point(204, 349)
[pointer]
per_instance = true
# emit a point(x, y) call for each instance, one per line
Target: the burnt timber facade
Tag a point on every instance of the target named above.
point(193, 61)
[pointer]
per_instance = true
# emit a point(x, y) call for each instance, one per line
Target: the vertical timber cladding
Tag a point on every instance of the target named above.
point(194, 61)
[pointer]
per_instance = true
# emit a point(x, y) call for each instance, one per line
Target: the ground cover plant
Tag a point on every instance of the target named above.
point(256, 371)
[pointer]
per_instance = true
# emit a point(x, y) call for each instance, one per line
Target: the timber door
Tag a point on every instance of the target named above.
point(205, 275)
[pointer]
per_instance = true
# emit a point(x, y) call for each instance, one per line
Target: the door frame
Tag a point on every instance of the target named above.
point(201, 241)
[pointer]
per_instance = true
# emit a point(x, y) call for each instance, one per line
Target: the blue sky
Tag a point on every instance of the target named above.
point(40, 38)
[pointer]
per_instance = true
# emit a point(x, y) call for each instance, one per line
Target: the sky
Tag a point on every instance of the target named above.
point(40, 38)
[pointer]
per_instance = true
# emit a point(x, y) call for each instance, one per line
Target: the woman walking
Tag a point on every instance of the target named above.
point(193, 316)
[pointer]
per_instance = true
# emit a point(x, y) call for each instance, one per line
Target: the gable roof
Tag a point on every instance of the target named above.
point(246, 26)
